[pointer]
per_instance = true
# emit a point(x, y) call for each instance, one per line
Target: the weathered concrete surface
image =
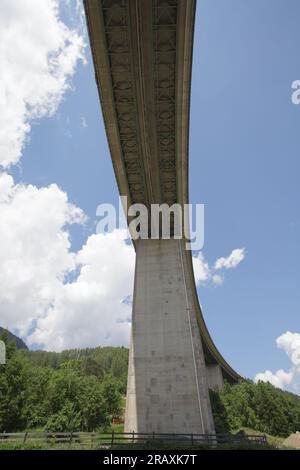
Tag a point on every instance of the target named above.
point(214, 377)
point(167, 382)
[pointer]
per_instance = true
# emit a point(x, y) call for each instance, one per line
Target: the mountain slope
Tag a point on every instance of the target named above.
point(19, 342)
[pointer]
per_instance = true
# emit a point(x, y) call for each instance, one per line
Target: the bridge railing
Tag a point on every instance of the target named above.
point(105, 440)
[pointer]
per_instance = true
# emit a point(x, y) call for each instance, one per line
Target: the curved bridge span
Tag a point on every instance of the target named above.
point(142, 53)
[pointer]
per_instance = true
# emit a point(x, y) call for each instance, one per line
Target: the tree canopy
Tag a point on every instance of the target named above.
point(69, 391)
point(261, 407)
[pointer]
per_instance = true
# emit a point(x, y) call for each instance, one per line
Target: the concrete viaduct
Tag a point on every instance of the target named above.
point(142, 53)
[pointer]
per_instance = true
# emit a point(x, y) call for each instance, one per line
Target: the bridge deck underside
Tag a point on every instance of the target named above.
point(141, 52)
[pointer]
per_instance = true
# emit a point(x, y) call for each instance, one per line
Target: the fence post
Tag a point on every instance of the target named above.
point(71, 437)
point(25, 436)
point(153, 436)
point(192, 439)
point(112, 438)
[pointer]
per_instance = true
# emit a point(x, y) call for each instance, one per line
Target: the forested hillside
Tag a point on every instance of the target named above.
point(91, 361)
point(261, 407)
point(68, 391)
point(84, 389)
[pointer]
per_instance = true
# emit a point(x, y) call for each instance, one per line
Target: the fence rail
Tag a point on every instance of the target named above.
point(98, 439)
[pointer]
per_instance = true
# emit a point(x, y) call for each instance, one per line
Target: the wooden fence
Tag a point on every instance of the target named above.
point(107, 440)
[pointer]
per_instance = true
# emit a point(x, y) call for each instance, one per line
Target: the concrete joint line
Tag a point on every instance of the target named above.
point(191, 335)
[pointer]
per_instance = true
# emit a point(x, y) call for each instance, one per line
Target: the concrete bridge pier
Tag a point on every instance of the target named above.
point(167, 388)
point(214, 377)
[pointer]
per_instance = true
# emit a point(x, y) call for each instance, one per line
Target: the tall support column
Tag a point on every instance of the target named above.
point(167, 380)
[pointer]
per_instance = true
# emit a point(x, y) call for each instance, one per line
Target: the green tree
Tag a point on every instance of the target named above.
point(13, 389)
point(261, 407)
point(37, 406)
point(67, 419)
point(111, 395)
point(95, 413)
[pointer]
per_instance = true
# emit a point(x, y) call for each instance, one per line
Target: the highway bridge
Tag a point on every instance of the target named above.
point(142, 53)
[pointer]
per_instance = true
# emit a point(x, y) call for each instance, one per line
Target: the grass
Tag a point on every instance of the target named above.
point(152, 445)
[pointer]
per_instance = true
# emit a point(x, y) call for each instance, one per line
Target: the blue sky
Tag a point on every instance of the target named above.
point(244, 166)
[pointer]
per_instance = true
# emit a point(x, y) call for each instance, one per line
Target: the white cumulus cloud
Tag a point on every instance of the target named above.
point(202, 270)
point(89, 310)
point(235, 257)
point(280, 379)
point(34, 249)
point(204, 273)
point(36, 260)
point(290, 343)
point(49, 294)
point(38, 56)
point(53, 296)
